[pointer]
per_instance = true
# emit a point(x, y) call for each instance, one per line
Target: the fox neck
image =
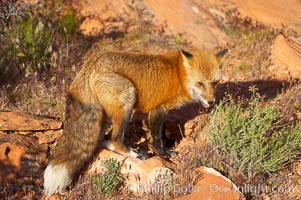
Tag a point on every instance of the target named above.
point(187, 93)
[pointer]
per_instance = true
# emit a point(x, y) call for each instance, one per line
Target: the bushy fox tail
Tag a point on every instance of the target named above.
point(82, 132)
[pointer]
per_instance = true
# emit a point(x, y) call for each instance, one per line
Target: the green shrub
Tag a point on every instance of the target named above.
point(34, 38)
point(110, 181)
point(256, 137)
point(27, 41)
point(35, 44)
point(68, 22)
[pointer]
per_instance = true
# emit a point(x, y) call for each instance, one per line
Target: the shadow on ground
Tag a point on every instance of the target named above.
point(176, 119)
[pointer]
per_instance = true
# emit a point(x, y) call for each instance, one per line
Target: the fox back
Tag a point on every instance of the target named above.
point(179, 77)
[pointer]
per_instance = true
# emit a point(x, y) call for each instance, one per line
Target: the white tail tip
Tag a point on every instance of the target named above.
point(56, 178)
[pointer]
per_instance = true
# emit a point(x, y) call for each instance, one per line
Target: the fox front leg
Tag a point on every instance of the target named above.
point(156, 119)
point(155, 122)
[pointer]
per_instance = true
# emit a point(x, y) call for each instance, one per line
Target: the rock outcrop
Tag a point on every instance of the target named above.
point(21, 157)
point(23, 149)
point(187, 19)
point(274, 13)
point(213, 185)
point(141, 174)
point(286, 58)
point(20, 121)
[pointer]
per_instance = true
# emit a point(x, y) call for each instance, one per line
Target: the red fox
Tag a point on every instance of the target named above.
point(110, 86)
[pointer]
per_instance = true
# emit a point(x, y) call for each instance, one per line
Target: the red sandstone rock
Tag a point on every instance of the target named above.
point(21, 157)
point(186, 18)
point(10, 160)
point(213, 186)
point(286, 58)
point(275, 13)
point(141, 174)
point(19, 121)
point(48, 136)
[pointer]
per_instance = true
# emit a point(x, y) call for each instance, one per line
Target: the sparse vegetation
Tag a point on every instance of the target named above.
point(256, 136)
point(250, 142)
point(68, 22)
point(247, 141)
point(35, 51)
point(100, 186)
point(28, 40)
point(250, 50)
point(111, 180)
point(189, 160)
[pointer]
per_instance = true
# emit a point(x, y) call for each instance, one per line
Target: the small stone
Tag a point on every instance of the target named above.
point(48, 136)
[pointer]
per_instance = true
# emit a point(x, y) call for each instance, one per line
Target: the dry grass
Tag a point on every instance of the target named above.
point(250, 48)
point(35, 97)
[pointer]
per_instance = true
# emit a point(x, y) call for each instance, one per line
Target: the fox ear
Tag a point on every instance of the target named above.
point(220, 55)
point(186, 54)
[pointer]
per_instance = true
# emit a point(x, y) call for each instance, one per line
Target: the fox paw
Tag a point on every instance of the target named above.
point(123, 150)
point(140, 155)
point(170, 153)
point(159, 151)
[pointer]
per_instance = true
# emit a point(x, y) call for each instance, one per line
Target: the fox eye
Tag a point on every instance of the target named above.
point(214, 83)
point(201, 84)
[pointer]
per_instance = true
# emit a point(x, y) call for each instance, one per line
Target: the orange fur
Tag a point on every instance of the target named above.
point(112, 84)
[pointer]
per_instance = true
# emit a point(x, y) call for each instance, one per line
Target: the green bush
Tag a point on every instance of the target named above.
point(35, 44)
point(68, 22)
point(109, 182)
point(26, 41)
point(33, 37)
point(257, 137)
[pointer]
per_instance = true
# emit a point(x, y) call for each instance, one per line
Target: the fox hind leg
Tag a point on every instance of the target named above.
point(117, 94)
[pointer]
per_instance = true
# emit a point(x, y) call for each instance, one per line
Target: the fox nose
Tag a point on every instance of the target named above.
point(211, 101)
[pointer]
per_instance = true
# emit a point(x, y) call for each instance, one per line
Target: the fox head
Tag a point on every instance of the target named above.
point(203, 70)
